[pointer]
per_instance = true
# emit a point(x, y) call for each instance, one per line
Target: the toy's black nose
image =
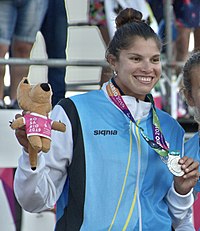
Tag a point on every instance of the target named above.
point(45, 86)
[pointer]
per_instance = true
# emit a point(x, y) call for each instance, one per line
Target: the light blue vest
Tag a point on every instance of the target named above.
point(126, 181)
point(192, 150)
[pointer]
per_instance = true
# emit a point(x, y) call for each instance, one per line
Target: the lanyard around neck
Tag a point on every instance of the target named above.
point(158, 143)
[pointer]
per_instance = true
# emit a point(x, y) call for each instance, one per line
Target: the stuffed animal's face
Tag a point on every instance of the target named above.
point(35, 98)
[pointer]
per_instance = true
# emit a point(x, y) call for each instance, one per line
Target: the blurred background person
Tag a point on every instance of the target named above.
point(20, 20)
point(54, 31)
point(185, 20)
point(187, 15)
point(97, 17)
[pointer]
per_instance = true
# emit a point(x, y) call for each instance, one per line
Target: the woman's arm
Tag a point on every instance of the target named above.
point(39, 190)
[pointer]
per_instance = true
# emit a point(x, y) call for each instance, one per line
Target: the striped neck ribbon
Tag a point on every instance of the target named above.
point(158, 142)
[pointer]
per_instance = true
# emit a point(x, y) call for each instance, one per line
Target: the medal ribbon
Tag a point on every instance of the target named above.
point(158, 144)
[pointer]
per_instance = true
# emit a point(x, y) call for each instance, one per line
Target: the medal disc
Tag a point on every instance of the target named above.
point(174, 166)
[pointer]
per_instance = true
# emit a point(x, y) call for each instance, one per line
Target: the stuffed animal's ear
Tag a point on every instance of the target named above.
point(25, 80)
point(23, 94)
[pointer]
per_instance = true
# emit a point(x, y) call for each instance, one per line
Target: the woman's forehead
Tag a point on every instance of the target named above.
point(143, 46)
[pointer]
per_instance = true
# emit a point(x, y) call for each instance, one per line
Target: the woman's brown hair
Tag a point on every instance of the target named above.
point(129, 24)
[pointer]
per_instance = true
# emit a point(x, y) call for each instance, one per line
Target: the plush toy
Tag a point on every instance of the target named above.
point(36, 101)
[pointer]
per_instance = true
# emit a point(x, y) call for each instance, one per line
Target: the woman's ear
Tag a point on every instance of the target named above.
point(112, 61)
point(189, 98)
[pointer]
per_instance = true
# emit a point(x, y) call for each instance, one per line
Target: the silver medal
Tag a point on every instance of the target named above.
point(174, 166)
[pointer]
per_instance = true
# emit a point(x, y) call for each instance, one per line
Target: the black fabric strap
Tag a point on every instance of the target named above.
point(73, 215)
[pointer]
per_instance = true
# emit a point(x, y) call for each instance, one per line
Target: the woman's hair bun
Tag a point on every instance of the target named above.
point(128, 15)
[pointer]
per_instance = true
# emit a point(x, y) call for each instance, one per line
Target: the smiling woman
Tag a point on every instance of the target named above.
point(137, 65)
point(116, 129)
point(137, 68)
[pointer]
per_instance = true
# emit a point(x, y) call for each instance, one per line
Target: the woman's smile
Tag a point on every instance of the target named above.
point(144, 79)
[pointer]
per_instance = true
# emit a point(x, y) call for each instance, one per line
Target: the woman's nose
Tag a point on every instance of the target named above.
point(146, 66)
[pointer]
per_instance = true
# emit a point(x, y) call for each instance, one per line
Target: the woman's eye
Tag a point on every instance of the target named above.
point(135, 59)
point(156, 60)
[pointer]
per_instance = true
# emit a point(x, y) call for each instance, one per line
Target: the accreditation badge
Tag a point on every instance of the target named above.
point(173, 165)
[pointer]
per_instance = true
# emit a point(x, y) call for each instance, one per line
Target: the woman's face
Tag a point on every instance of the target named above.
point(138, 68)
